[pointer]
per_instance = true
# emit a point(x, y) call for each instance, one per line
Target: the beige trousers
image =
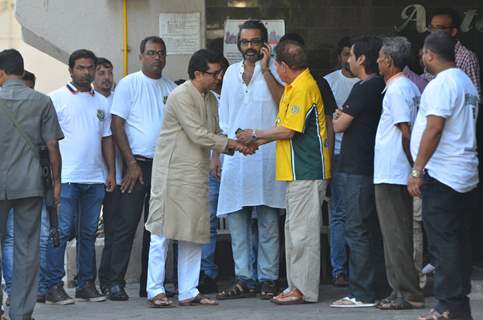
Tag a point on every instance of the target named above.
point(418, 239)
point(302, 236)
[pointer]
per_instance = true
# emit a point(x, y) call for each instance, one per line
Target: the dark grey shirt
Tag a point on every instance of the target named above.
point(20, 174)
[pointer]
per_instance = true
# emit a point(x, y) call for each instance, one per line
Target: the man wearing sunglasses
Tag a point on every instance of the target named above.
point(249, 98)
point(138, 111)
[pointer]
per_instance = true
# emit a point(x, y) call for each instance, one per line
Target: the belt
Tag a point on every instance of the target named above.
point(142, 159)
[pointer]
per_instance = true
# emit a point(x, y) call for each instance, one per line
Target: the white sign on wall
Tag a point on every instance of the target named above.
point(275, 28)
point(181, 32)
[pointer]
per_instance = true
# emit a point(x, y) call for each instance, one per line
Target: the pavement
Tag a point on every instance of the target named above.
point(253, 308)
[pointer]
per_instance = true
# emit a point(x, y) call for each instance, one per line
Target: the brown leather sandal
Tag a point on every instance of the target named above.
point(199, 300)
point(434, 315)
point(160, 301)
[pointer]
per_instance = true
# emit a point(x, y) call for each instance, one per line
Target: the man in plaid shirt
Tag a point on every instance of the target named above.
point(449, 21)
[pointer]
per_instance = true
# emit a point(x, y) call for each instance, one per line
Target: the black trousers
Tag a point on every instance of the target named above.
point(124, 227)
point(447, 221)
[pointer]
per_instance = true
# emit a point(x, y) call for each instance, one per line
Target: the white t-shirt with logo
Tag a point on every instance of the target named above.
point(400, 104)
point(341, 87)
point(85, 119)
point(140, 101)
point(451, 95)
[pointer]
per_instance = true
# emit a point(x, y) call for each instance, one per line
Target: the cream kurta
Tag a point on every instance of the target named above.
point(179, 185)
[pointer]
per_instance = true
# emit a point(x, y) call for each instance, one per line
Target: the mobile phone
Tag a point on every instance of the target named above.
point(239, 130)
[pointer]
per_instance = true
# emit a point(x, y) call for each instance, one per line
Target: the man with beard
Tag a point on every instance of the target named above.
point(249, 99)
point(137, 110)
point(86, 122)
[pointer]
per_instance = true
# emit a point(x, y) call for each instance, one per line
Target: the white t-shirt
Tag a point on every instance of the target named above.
point(453, 96)
point(400, 104)
point(248, 181)
point(341, 87)
point(140, 101)
point(85, 119)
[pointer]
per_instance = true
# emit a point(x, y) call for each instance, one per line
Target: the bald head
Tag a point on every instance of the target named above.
point(292, 54)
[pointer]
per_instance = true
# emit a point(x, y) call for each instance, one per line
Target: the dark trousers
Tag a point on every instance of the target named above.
point(367, 280)
point(110, 211)
point(447, 221)
point(124, 229)
point(26, 257)
point(395, 212)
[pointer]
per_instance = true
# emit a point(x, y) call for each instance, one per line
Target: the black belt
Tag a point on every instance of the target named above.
point(142, 159)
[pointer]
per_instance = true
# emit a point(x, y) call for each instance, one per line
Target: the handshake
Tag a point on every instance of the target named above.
point(245, 142)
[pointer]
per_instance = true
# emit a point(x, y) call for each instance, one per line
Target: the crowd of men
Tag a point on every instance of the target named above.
point(242, 142)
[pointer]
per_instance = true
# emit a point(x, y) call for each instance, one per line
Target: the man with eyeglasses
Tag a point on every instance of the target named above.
point(249, 98)
point(449, 21)
point(137, 115)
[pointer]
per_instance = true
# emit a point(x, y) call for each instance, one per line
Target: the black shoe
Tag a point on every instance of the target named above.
point(207, 285)
point(117, 293)
point(41, 298)
point(269, 289)
point(89, 293)
point(105, 289)
point(57, 295)
point(340, 280)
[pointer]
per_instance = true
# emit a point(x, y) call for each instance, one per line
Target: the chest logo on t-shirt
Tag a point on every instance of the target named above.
point(165, 98)
point(101, 115)
point(295, 109)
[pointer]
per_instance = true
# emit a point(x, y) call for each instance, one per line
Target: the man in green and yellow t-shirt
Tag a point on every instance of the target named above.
point(302, 156)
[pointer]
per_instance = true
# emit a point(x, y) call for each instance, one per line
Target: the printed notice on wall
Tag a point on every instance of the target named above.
point(180, 32)
point(275, 28)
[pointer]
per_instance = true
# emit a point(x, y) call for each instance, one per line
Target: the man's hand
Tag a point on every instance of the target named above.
point(266, 51)
point(245, 136)
point(414, 186)
point(133, 174)
point(215, 167)
point(240, 147)
point(337, 114)
point(111, 182)
point(57, 188)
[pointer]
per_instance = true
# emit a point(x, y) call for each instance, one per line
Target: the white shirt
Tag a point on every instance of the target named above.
point(400, 104)
point(341, 87)
point(85, 119)
point(140, 101)
point(248, 181)
point(117, 153)
point(453, 96)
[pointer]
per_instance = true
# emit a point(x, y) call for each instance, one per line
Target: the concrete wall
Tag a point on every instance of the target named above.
point(59, 27)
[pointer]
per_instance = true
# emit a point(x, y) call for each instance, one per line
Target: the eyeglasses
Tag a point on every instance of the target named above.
point(439, 27)
point(215, 73)
point(253, 42)
point(152, 53)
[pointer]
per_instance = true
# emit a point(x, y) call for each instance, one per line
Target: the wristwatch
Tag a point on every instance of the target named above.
point(416, 173)
point(254, 135)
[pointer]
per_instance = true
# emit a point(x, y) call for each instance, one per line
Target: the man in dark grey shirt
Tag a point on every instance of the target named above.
point(21, 187)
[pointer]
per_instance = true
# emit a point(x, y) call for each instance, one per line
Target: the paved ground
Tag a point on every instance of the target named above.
point(255, 309)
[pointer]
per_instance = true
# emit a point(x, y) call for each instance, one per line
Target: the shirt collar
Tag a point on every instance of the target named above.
point(300, 78)
point(13, 83)
point(391, 80)
point(74, 90)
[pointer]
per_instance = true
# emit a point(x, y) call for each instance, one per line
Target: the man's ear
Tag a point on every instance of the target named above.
point(361, 59)
point(454, 32)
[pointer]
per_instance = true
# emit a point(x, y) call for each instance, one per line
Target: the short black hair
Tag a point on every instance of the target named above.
point(29, 76)
point(368, 46)
point(200, 59)
point(442, 44)
point(345, 42)
point(293, 37)
point(11, 62)
point(452, 13)
point(153, 39)
point(101, 61)
point(81, 54)
point(253, 24)
point(292, 53)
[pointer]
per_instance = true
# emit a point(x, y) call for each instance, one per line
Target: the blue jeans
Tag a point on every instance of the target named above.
point(367, 275)
point(338, 247)
point(241, 230)
point(80, 206)
point(7, 252)
point(208, 265)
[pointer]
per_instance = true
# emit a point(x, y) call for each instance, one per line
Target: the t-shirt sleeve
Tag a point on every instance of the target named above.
point(121, 103)
point(299, 106)
point(107, 120)
point(50, 129)
point(399, 107)
point(442, 99)
point(357, 100)
point(327, 96)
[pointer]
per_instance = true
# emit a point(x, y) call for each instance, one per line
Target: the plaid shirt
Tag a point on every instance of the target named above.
point(467, 61)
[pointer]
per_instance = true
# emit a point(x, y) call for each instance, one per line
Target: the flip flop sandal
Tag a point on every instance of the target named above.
point(288, 300)
point(435, 315)
point(348, 302)
point(268, 290)
point(396, 304)
point(199, 300)
point(160, 301)
point(236, 291)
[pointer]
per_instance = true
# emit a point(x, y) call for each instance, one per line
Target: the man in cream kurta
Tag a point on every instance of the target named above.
point(179, 191)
